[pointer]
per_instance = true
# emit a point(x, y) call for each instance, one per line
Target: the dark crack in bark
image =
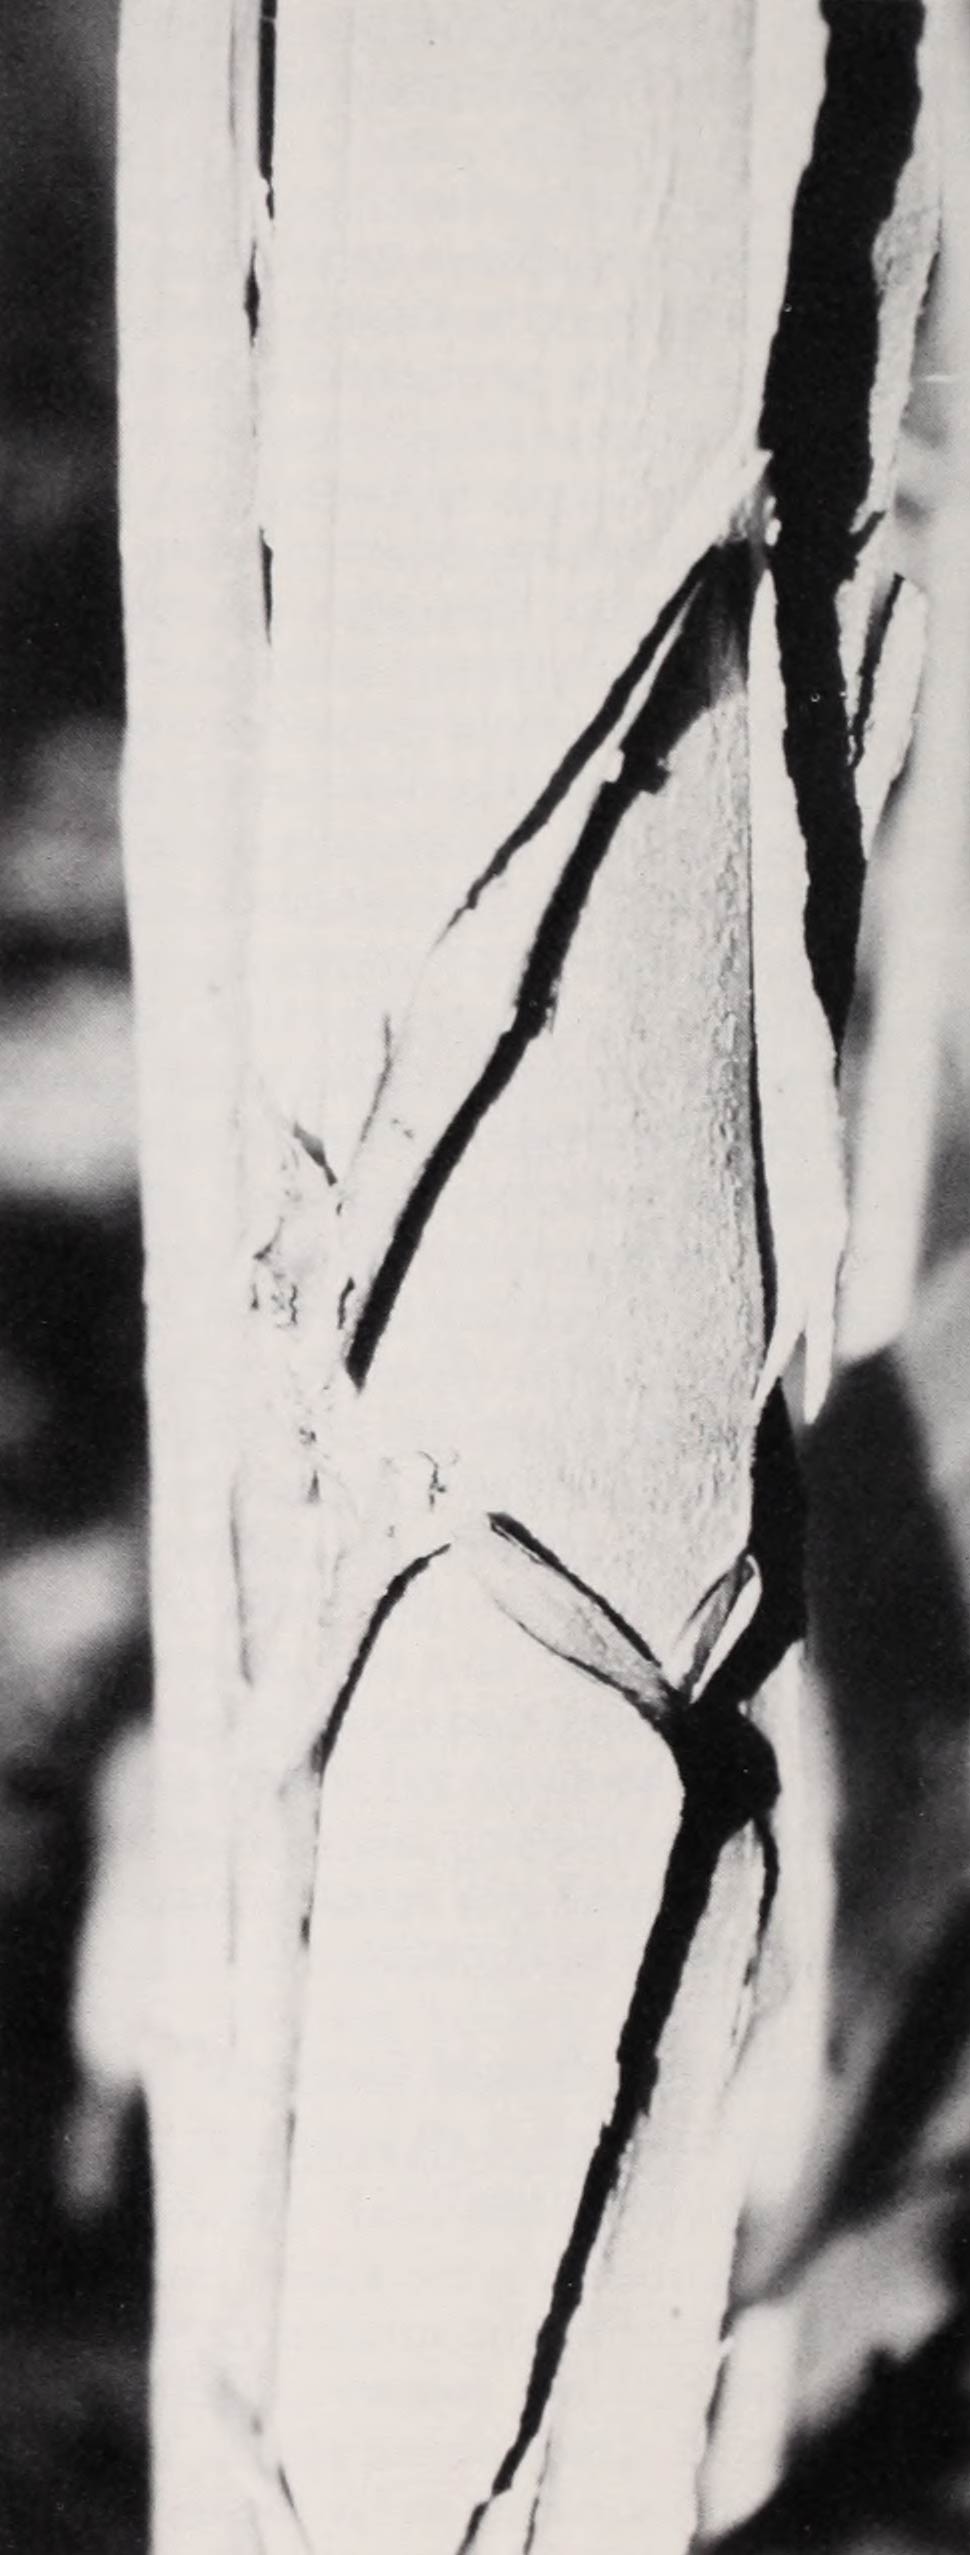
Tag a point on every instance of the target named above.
point(816, 427)
point(680, 695)
point(730, 1782)
point(728, 1771)
point(252, 297)
point(266, 98)
point(594, 735)
point(389, 1599)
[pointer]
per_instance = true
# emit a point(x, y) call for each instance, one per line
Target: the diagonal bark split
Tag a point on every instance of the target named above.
point(730, 1781)
point(728, 1773)
point(677, 697)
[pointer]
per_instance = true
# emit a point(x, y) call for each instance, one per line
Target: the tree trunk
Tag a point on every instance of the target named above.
point(482, 552)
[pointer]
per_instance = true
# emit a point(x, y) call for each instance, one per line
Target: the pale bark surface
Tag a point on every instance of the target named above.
point(503, 1328)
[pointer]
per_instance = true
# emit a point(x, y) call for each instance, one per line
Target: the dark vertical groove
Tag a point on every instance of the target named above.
point(815, 425)
point(265, 137)
point(777, 1543)
point(530, 2536)
point(764, 1231)
point(266, 579)
point(266, 106)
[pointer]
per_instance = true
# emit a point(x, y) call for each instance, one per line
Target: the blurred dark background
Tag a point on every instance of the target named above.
point(74, 1671)
point(844, 2419)
point(864, 2264)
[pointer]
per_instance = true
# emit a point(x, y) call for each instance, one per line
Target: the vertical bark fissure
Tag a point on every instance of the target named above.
point(262, 143)
point(815, 424)
point(530, 2535)
point(258, 138)
point(266, 100)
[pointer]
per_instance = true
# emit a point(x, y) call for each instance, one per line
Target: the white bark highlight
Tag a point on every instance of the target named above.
point(482, 239)
point(192, 631)
point(492, 1846)
point(513, 321)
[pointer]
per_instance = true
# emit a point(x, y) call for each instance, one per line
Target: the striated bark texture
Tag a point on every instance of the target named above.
point(504, 590)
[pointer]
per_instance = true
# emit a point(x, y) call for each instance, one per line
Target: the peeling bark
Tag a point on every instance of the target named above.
point(471, 800)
